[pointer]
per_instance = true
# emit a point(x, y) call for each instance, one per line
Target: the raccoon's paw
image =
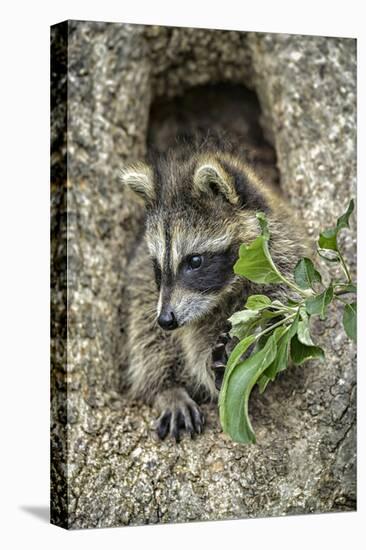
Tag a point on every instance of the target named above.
point(220, 356)
point(179, 414)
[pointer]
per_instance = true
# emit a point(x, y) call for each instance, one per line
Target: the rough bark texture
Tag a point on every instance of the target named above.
point(107, 469)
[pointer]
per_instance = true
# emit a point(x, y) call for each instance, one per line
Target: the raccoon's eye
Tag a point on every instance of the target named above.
point(194, 262)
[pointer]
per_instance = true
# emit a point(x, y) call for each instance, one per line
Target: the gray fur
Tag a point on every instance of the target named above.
point(189, 216)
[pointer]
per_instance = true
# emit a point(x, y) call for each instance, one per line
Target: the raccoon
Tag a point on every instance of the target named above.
point(200, 204)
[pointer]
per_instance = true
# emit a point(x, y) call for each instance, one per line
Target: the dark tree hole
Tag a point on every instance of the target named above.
point(229, 110)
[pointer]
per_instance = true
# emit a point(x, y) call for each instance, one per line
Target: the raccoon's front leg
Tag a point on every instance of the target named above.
point(152, 379)
point(178, 413)
point(153, 376)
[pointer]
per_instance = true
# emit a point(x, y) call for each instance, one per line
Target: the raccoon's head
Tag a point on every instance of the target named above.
point(198, 212)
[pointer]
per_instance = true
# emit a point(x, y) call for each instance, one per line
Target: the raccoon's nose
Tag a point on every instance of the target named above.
point(167, 320)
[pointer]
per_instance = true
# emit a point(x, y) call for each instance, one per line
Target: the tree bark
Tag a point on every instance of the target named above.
point(107, 468)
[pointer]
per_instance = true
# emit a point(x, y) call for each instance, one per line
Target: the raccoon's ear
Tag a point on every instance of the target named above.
point(210, 176)
point(139, 178)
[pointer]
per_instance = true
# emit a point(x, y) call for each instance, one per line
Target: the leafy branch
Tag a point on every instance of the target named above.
point(271, 333)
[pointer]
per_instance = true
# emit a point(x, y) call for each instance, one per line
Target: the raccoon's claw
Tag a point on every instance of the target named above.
point(219, 352)
point(219, 358)
point(219, 371)
point(163, 424)
point(181, 417)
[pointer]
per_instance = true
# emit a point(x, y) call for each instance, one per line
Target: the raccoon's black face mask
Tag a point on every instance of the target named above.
point(195, 222)
point(190, 285)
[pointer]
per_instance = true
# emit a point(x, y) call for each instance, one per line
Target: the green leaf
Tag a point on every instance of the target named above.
point(280, 362)
point(345, 288)
point(258, 301)
point(277, 303)
point(243, 316)
point(317, 305)
point(233, 360)
point(301, 353)
point(238, 351)
point(350, 320)
point(343, 221)
point(305, 274)
point(328, 239)
point(271, 314)
point(254, 265)
point(243, 322)
point(237, 385)
point(292, 303)
point(293, 327)
point(263, 382)
point(329, 255)
point(303, 329)
point(275, 309)
point(255, 262)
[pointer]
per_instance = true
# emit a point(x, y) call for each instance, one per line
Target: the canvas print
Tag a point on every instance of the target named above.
point(203, 275)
